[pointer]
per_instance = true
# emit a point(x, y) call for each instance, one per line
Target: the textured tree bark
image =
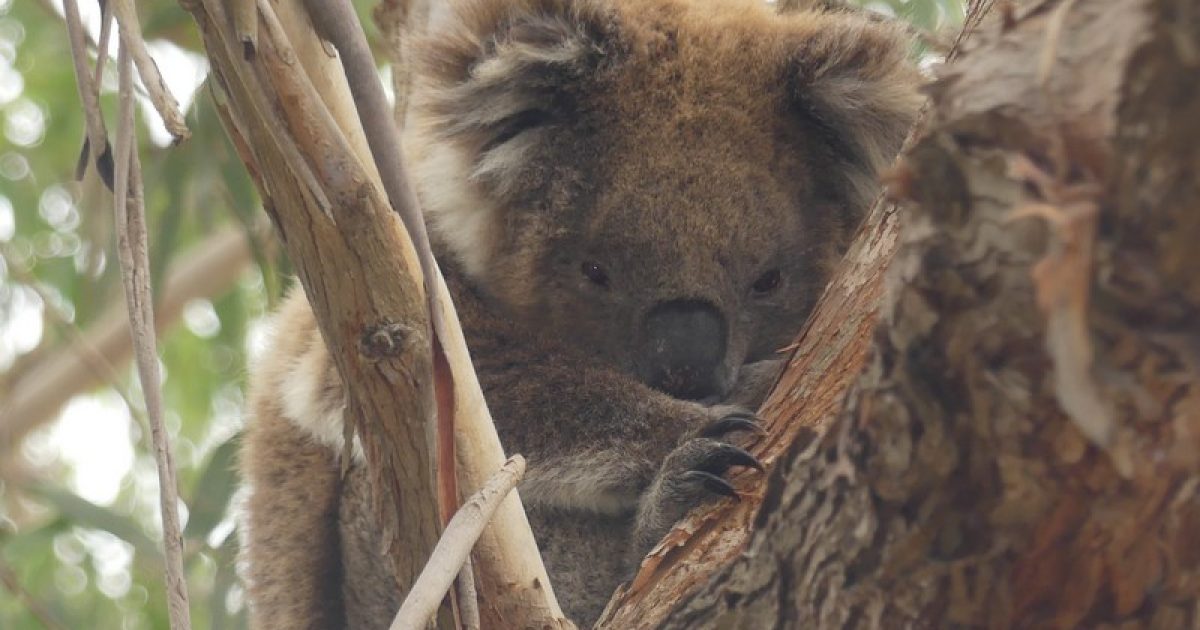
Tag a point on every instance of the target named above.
point(289, 112)
point(344, 240)
point(1023, 447)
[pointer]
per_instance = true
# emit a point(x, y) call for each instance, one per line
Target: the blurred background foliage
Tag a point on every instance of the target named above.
point(79, 529)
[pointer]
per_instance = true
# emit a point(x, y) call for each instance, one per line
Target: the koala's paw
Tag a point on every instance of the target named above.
point(692, 474)
point(754, 382)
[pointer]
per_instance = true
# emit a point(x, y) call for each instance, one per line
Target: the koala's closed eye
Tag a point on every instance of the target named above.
point(517, 125)
point(594, 272)
point(767, 283)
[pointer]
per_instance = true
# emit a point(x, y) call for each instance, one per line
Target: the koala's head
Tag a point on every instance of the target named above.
point(662, 183)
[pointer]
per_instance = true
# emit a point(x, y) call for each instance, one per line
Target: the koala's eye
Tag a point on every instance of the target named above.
point(766, 283)
point(517, 125)
point(595, 273)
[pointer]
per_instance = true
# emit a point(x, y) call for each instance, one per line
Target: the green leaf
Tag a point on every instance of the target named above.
point(212, 491)
point(84, 513)
point(223, 582)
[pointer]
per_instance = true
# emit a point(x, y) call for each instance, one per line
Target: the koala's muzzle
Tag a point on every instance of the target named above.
point(685, 348)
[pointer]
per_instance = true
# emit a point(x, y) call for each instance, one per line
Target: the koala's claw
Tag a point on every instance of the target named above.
point(723, 456)
point(690, 475)
point(737, 421)
point(710, 482)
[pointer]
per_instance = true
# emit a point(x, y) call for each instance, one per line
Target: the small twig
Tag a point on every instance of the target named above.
point(102, 41)
point(87, 352)
point(245, 26)
point(135, 268)
point(455, 546)
point(97, 136)
point(468, 596)
point(40, 389)
point(130, 30)
point(1046, 62)
point(36, 608)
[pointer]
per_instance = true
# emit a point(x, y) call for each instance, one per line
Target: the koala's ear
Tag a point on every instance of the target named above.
point(493, 69)
point(850, 79)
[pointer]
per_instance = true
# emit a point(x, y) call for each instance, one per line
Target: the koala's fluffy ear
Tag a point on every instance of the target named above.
point(492, 78)
point(850, 79)
point(494, 69)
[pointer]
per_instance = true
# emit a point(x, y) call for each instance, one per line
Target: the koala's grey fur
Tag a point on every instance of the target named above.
point(599, 176)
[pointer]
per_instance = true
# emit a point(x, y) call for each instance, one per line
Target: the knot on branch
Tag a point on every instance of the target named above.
point(385, 340)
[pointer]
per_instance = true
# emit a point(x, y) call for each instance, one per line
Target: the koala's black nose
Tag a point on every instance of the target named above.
point(685, 348)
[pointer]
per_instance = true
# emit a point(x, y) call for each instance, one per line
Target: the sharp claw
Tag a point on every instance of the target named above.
point(712, 483)
point(729, 455)
point(733, 422)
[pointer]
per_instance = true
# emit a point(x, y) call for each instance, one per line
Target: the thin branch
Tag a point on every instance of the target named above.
point(89, 95)
point(81, 346)
point(455, 545)
point(36, 608)
point(337, 22)
point(102, 41)
point(303, 171)
point(398, 20)
point(130, 30)
point(468, 596)
point(35, 397)
point(135, 268)
point(371, 365)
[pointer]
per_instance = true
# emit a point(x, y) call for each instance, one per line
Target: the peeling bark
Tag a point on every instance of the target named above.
point(1023, 448)
point(295, 126)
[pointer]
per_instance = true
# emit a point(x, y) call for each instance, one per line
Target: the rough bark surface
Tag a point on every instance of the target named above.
point(1023, 449)
point(344, 240)
point(290, 114)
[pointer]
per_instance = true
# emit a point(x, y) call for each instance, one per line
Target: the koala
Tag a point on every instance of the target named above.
point(635, 204)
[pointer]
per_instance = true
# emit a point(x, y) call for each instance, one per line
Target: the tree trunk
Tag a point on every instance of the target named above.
point(285, 103)
point(1023, 447)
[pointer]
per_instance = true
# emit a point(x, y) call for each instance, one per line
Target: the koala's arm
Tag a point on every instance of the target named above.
point(291, 564)
point(290, 550)
point(594, 437)
point(755, 381)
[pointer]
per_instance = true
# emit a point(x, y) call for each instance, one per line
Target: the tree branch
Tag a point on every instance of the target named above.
point(135, 272)
point(361, 274)
point(96, 142)
point(337, 22)
point(131, 39)
point(207, 270)
point(454, 547)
